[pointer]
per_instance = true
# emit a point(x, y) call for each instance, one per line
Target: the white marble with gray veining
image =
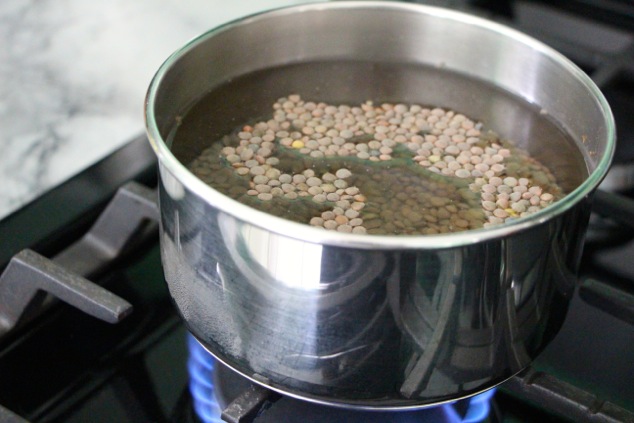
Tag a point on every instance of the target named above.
point(73, 76)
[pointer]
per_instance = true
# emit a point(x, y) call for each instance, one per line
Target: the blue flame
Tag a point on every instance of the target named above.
point(201, 367)
point(477, 410)
point(479, 407)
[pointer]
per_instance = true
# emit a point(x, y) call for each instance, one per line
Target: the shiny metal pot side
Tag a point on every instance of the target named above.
point(372, 321)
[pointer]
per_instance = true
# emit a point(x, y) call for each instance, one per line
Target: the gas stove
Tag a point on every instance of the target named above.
point(119, 351)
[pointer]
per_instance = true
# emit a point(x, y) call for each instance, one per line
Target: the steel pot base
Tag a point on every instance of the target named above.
point(393, 329)
point(331, 401)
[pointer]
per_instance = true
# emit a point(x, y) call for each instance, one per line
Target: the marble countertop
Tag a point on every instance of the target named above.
point(73, 76)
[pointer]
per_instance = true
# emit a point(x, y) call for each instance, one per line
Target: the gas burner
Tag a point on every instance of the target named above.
point(220, 393)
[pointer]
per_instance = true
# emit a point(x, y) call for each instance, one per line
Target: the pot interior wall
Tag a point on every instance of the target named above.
point(390, 41)
point(353, 82)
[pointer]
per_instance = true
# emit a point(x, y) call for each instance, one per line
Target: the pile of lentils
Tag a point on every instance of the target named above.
point(386, 169)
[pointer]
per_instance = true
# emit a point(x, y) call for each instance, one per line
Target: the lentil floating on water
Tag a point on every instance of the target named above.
point(377, 169)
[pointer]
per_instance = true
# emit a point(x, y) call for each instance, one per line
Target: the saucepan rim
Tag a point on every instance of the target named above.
point(242, 212)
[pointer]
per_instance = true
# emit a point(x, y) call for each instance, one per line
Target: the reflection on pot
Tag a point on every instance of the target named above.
point(390, 328)
point(317, 313)
point(466, 317)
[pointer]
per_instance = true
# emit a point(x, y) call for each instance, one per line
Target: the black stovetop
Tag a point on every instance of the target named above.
point(61, 365)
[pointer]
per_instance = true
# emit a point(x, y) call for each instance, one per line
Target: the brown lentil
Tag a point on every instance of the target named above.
point(468, 178)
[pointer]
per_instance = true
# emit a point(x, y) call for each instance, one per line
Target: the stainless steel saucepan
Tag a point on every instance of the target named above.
point(367, 321)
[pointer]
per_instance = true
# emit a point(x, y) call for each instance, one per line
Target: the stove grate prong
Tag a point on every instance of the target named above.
point(28, 278)
point(249, 404)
